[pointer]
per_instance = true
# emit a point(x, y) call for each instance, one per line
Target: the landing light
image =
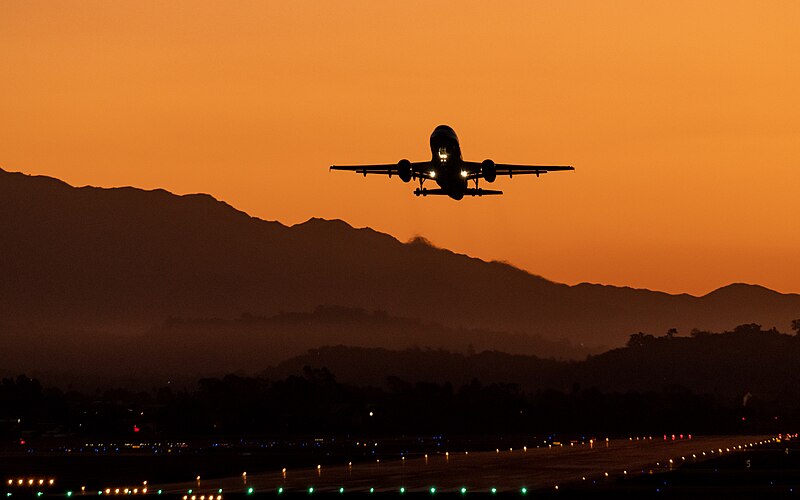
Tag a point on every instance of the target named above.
point(432, 174)
point(463, 173)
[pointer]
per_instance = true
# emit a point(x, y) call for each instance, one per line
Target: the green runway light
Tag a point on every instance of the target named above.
point(280, 490)
point(524, 490)
point(311, 490)
point(341, 489)
point(433, 490)
point(402, 490)
point(250, 491)
point(189, 492)
point(372, 490)
point(69, 493)
point(219, 490)
point(159, 492)
point(494, 490)
point(39, 493)
point(100, 492)
point(463, 490)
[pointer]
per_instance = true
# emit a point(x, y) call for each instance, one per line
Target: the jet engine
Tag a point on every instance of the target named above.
point(404, 170)
point(488, 170)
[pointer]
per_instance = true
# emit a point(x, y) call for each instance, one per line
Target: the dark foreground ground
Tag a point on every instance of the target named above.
point(701, 467)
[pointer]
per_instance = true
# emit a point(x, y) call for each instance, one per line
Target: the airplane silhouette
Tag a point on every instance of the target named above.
point(449, 170)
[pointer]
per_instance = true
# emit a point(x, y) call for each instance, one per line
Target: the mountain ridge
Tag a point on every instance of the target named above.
point(114, 257)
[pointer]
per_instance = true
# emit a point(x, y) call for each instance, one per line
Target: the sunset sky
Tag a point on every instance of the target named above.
point(681, 118)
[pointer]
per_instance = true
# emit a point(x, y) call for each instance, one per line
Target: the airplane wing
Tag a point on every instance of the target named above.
point(510, 170)
point(418, 169)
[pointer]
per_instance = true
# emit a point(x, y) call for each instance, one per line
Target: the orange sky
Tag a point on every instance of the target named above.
point(682, 119)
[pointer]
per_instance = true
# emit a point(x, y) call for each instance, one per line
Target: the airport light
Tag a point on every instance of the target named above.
point(310, 490)
point(280, 490)
point(250, 490)
point(402, 490)
point(69, 493)
point(524, 490)
point(493, 490)
point(372, 490)
point(433, 490)
point(341, 489)
point(219, 490)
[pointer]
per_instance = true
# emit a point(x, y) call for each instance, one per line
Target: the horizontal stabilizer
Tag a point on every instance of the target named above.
point(467, 192)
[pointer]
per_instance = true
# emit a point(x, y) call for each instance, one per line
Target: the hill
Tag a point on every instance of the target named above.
point(123, 259)
point(727, 365)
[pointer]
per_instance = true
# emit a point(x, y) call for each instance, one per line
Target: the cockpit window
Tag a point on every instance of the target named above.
point(443, 153)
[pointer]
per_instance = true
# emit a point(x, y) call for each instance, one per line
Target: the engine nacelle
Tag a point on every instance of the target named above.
point(488, 170)
point(404, 170)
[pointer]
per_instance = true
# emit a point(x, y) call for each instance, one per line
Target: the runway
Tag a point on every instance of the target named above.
point(532, 468)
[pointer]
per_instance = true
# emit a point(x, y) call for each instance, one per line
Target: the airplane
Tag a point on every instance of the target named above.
point(449, 170)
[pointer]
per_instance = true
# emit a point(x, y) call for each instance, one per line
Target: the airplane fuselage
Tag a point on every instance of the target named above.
point(446, 162)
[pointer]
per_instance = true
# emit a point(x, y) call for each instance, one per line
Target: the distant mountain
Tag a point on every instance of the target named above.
point(124, 259)
point(179, 349)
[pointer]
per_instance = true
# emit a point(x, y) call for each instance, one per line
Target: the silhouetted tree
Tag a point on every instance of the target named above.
point(796, 326)
point(748, 328)
point(672, 333)
point(640, 339)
